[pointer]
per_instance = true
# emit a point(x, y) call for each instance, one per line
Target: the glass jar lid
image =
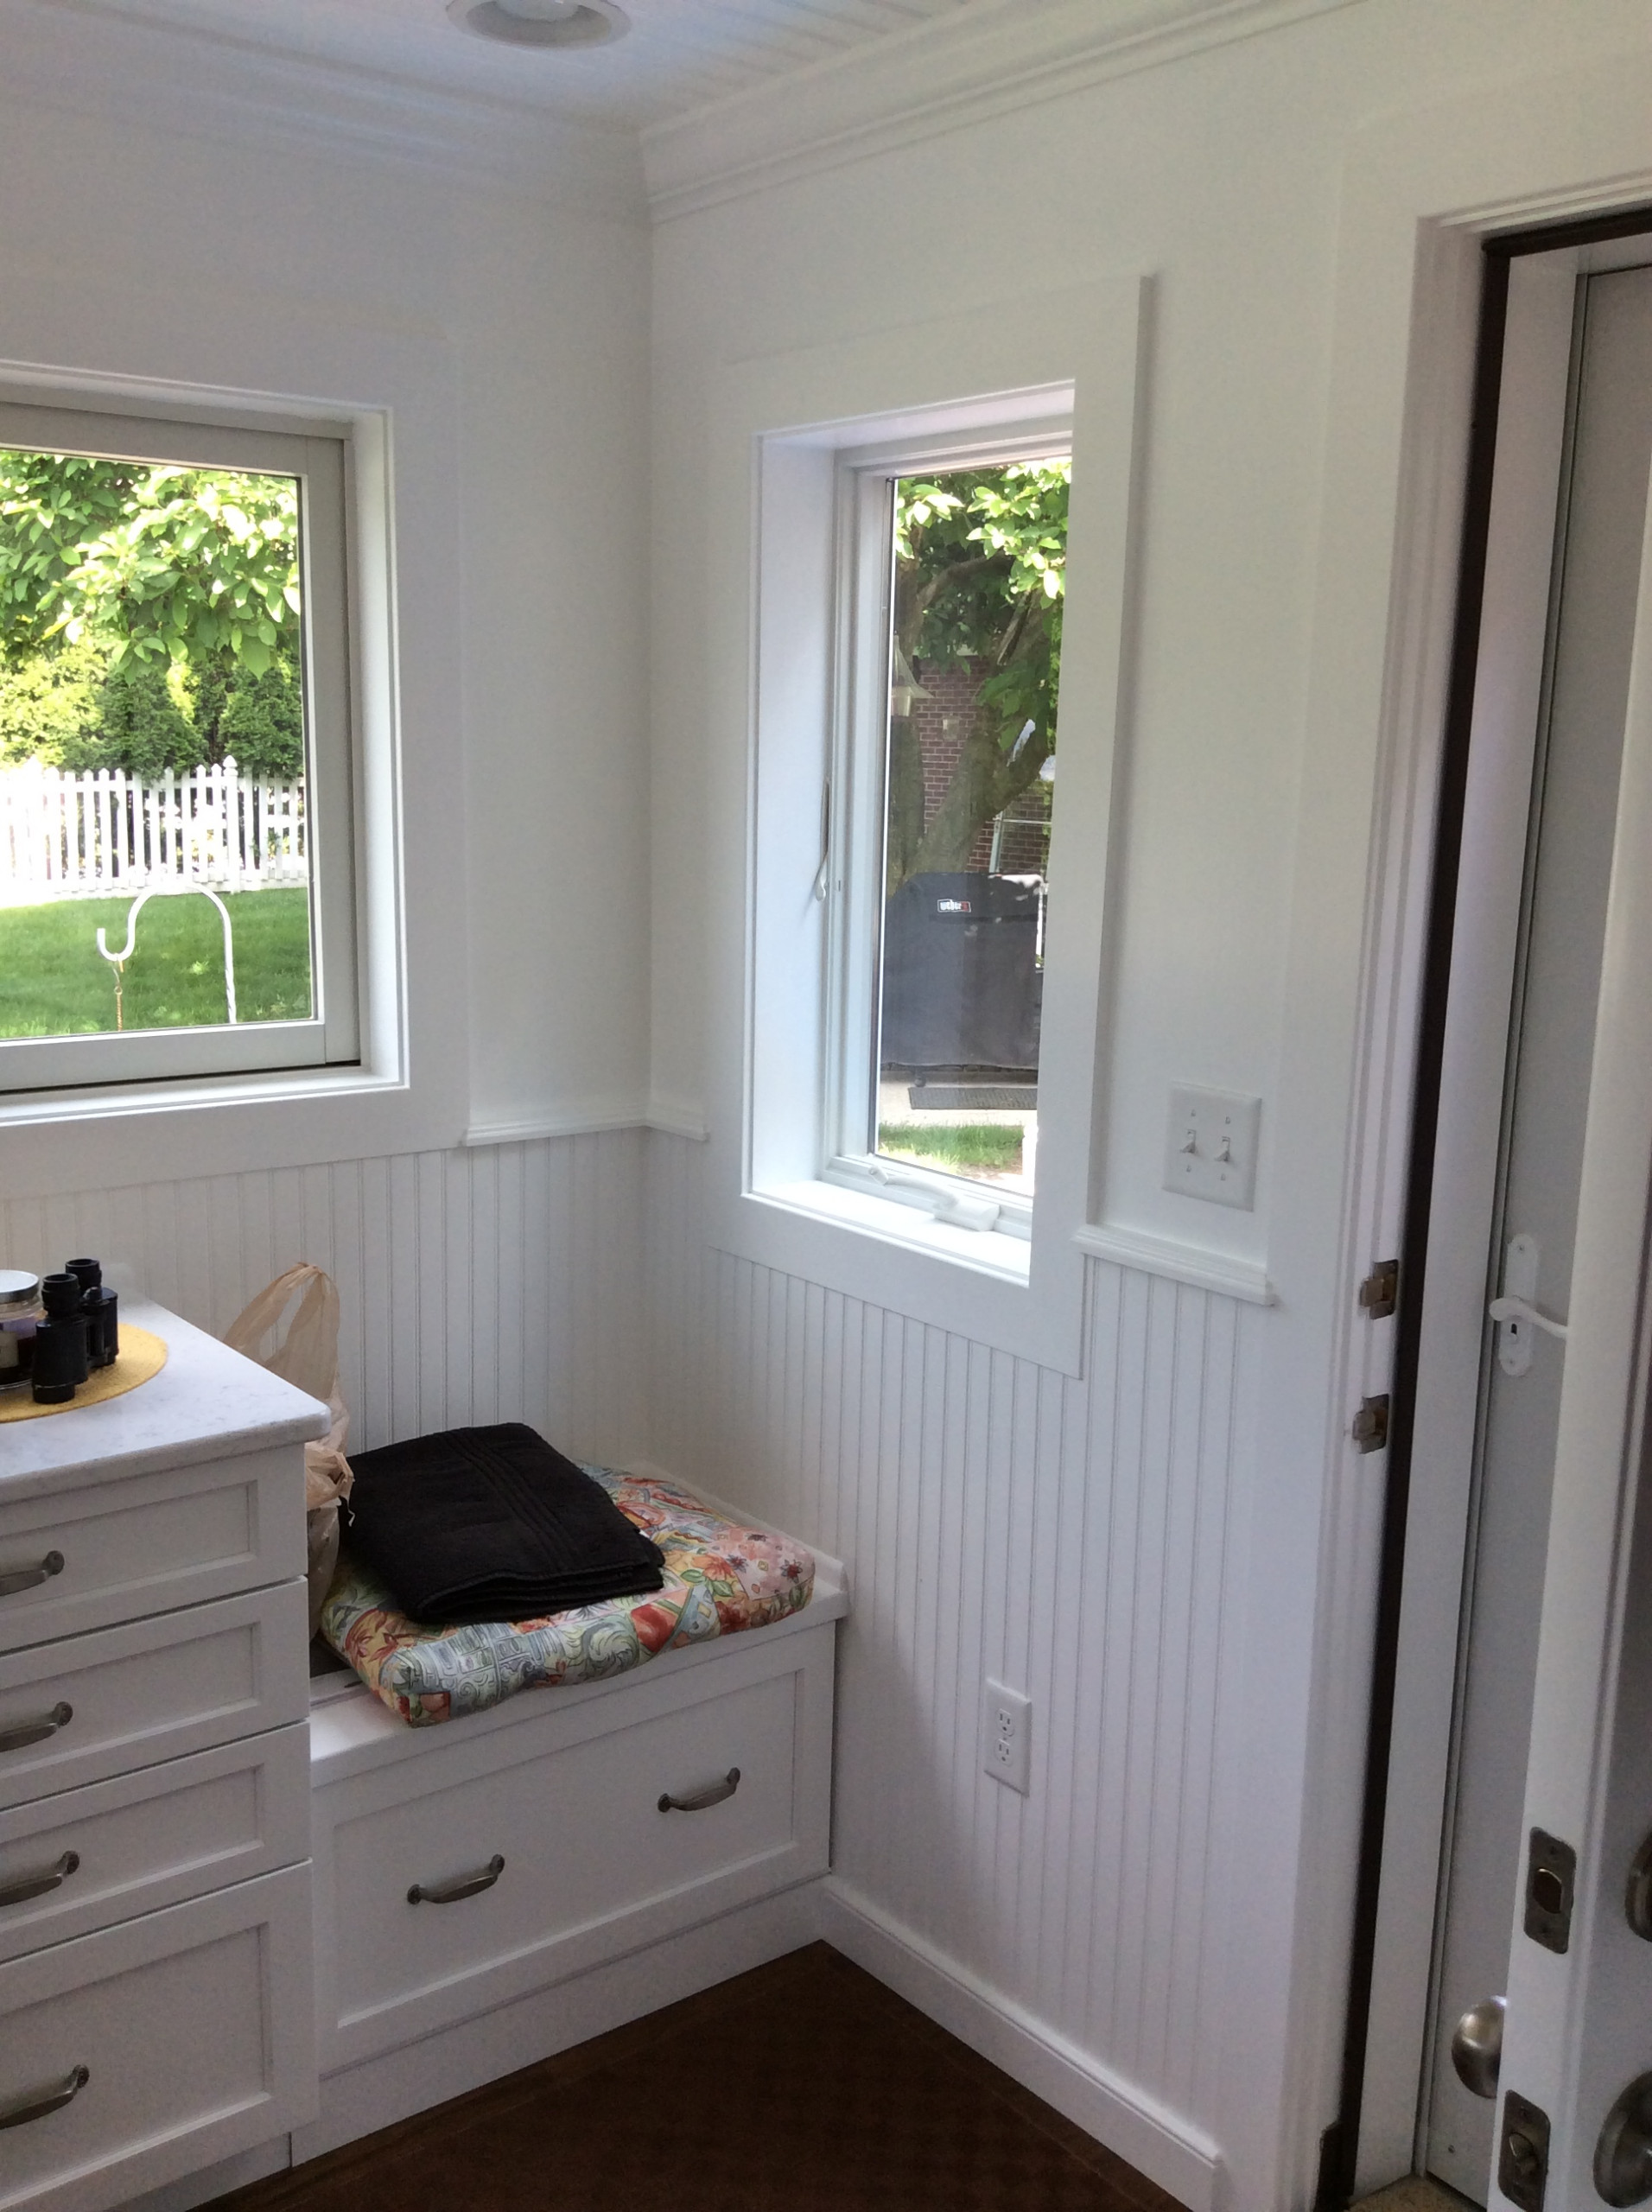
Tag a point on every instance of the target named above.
point(19, 1290)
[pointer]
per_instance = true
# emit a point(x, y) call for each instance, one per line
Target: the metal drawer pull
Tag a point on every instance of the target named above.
point(468, 1885)
point(718, 1794)
point(36, 1885)
point(31, 1578)
point(36, 1732)
point(35, 2105)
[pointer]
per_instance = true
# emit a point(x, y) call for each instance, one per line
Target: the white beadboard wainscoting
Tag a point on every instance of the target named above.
point(1073, 1538)
point(501, 1283)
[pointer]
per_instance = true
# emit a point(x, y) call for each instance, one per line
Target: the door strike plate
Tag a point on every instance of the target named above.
point(1551, 1878)
point(1522, 2152)
point(1380, 1292)
point(1370, 1429)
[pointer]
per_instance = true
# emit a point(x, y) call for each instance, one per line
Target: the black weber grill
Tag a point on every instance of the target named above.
point(962, 985)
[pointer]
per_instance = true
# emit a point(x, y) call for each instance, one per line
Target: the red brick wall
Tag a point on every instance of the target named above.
point(941, 722)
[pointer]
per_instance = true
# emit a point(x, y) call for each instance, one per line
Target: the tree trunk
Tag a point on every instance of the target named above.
point(905, 802)
point(983, 784)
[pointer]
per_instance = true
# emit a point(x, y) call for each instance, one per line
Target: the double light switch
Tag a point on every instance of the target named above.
point(1210, 1148)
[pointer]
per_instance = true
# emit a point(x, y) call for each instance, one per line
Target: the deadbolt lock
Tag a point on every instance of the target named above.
point(1522, 2152)
point(1624, 2151)
point(1551, 1877)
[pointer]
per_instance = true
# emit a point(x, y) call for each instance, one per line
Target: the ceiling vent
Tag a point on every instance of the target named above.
point(541, 23)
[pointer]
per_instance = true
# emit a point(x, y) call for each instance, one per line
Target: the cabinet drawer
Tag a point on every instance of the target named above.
point(592, 1866)
point(156, 1690)
point(152, 1839)
point(192, 2028)
point(117, 1551)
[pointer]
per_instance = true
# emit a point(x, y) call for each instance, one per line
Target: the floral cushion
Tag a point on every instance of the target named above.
point(720, 1576)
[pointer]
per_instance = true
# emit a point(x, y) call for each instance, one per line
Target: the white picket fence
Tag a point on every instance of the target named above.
point(88, 837)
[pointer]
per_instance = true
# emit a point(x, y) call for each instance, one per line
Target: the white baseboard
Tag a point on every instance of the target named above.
point(1158, 2142)
point(402, 2083)
point(212, 2181)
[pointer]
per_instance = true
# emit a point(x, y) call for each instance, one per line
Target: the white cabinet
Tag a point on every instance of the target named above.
point(539, 1838)
point(86, 1858)
point(118, 1550)
point(155, 2006)
point(159, 2046)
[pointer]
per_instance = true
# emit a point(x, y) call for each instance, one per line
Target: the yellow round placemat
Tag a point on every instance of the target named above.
point(141, 1355)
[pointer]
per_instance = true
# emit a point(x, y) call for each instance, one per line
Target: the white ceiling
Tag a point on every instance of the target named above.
point(678, 55)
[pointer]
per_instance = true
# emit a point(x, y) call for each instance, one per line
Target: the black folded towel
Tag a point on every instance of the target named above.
point(492, 1524)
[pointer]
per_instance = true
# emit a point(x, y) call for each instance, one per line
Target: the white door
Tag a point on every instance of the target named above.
point(1548, 1091)
point(1578, 2032)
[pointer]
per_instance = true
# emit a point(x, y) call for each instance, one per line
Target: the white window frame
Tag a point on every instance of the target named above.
point(782, 428)
point(852, 862)
point(318, 455)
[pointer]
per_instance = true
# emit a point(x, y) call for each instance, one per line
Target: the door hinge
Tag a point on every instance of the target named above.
point(1380, 1292)
point(1551, 1877)
point(1369, 1428)
point(1522, 2152)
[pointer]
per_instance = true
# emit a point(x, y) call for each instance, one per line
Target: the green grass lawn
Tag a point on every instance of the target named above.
point(55, 982)
point(960, 1147)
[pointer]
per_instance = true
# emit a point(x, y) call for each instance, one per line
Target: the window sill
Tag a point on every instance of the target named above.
point(1006, 1258)
point(39, 1108)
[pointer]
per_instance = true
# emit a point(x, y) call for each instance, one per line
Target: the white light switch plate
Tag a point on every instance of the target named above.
point(1210, 1145)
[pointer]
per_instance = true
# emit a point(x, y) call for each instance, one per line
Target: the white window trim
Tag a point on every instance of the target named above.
point(784, 428)
point(318, 462)
point(365, 924)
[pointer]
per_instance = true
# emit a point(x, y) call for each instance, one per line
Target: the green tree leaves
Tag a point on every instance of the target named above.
point(166, 563)
point(139, 727)
point(149, 615)
point(981, 568)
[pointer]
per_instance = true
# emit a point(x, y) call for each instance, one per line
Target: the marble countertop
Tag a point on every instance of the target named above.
point(207, 1402)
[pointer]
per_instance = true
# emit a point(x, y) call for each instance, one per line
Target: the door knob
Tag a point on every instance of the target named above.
point(1623, 2153)
point(1476, 2046)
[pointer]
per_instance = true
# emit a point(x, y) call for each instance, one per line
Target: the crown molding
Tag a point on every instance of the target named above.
point(99, 58)
point(943, 75)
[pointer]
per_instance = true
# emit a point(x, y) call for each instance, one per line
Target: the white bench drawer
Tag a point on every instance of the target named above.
point(193, 2029)
point(592, 1866)
point(116, 1551)
point(152, 1839)
point(156, 1690)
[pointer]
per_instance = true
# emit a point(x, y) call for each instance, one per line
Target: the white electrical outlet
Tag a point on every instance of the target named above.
point(1210, 1145)
point(1007, 1736)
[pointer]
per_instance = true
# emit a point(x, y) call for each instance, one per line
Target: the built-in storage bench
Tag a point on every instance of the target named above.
point(463, 1868)
point(155, 2007)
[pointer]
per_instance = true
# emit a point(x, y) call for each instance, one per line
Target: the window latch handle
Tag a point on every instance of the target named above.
point(823, 873)
point(1518, 1309)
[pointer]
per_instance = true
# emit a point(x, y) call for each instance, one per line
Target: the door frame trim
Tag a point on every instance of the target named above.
point(1411, 1654)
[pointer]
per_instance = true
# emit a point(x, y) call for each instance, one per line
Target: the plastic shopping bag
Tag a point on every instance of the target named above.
point(305, 1352)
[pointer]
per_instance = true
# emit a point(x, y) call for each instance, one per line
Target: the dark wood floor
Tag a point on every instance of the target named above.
point(804, 2087)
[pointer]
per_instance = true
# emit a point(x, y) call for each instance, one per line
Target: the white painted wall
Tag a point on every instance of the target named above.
point(1274, 188)
point(1153, 1547)
point(184, 213)
point(497, 1284)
